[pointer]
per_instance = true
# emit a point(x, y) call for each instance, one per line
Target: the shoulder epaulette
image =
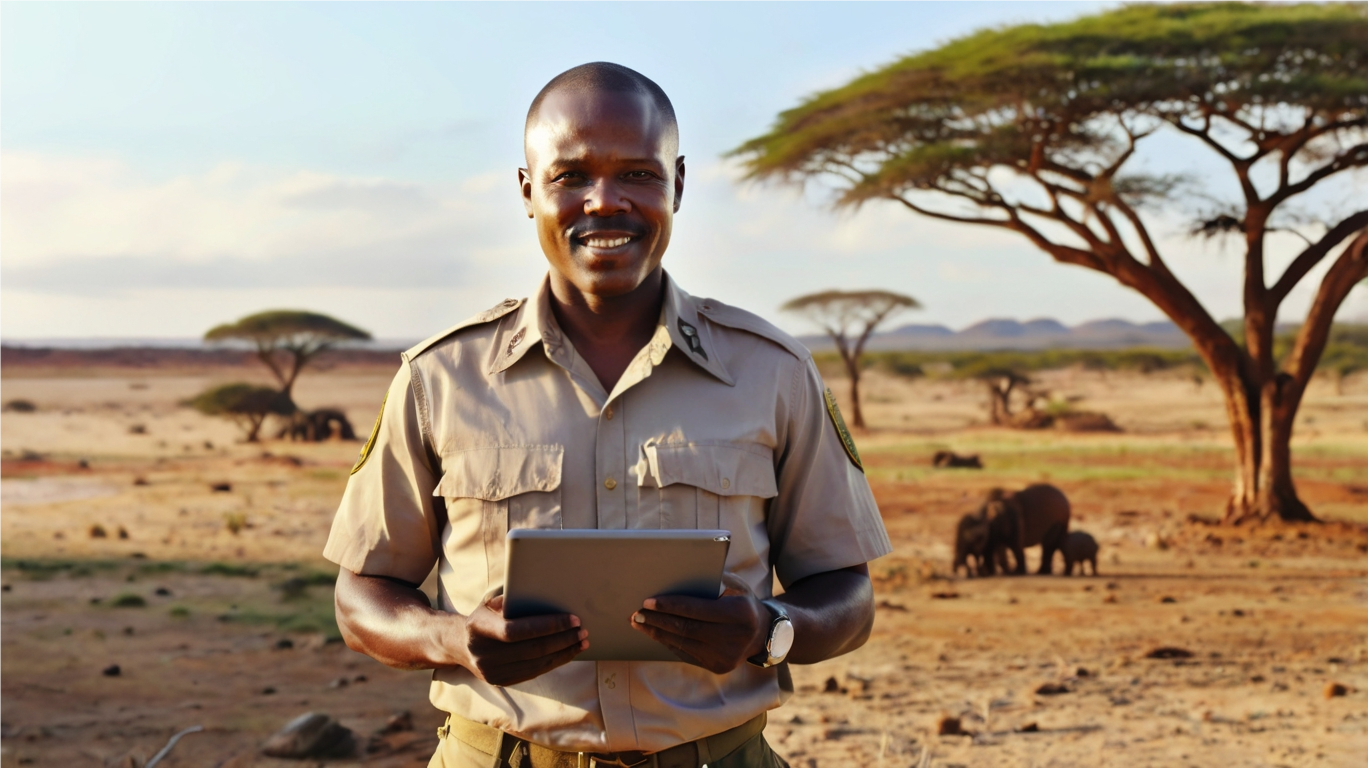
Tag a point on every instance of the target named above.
point(489, 315)
point(734, 317)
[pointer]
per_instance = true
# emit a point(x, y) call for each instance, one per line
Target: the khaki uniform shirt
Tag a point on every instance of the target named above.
point(721, 421)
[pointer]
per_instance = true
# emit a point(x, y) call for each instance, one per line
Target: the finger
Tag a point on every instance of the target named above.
point(536, 648)
point(518, 630)
point(522, 671)
point(496, 604)
point(687, 649)
point(717, 611)
point(677, 625)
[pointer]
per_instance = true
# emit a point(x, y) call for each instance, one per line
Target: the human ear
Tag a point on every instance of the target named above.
point(679, 182)
point(525, 182)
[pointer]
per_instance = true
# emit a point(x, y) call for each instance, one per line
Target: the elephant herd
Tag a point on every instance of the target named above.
point(1011, 522)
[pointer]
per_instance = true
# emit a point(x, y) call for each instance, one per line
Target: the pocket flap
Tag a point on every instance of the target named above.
point(496, 473)
point(726, 470)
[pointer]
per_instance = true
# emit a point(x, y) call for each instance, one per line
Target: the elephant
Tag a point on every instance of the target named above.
point(1037, 514)
point(1079, 547)
point(971, 541)
point(952, 460)
point(971, 547)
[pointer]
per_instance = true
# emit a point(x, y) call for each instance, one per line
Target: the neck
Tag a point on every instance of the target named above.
point(608, 331)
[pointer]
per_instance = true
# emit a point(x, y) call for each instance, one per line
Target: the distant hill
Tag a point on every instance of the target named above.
point(1002, 333)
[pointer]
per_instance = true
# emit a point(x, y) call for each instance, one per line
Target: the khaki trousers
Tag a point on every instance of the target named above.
point(454, 753)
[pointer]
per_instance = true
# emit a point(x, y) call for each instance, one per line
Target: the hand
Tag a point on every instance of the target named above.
point(717, 635)
point(503, 651)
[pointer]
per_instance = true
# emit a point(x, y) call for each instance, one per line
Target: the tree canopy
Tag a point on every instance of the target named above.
point(295, 334)
point(247, 404)
point(1032, 129)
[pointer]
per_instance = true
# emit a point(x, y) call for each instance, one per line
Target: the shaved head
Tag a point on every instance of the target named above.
point(606, 77)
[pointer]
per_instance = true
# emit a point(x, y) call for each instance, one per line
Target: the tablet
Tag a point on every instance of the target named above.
point(603, 576)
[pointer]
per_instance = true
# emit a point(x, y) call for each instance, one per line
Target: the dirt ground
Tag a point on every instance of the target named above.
point(232, 630)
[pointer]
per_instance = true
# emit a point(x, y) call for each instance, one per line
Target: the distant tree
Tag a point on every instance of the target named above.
point(286, 340)
point(849, 318)
point(246, 404)
point(1030, 128)
point(1002, 383)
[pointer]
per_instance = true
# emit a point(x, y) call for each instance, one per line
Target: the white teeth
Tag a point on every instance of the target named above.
point(598, 242)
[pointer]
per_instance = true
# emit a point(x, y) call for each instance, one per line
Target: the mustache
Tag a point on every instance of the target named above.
point(581, 231)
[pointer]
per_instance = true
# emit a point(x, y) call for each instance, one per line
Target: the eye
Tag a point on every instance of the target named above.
point(640, 175)
point(568, 177)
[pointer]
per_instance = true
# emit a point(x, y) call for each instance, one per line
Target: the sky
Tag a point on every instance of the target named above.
point(167, 167)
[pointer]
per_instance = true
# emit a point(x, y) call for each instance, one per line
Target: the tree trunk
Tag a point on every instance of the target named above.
point(1261, 422)
point(856, 416)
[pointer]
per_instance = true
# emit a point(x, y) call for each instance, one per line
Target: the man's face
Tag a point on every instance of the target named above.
point(602, 183)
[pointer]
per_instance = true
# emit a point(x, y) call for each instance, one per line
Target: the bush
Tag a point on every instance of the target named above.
point(20, 406)
point(129, 600)
point(246, 404)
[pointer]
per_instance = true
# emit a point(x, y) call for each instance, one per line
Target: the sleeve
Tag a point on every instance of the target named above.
point(824, 517)
point(389, 523)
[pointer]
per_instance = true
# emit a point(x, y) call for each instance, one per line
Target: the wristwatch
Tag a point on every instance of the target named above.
point(780, 639)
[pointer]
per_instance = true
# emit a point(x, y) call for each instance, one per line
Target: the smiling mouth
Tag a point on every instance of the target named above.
point(597, 241)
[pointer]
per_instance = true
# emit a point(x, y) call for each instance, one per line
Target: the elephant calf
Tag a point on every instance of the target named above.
point(1079, 547)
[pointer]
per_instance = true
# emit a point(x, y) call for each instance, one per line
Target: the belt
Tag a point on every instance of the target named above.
point(520, 753)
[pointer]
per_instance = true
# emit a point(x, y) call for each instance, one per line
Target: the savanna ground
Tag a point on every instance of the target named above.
point(216, 606)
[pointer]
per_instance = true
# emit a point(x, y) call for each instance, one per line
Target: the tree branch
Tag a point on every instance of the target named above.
point(1347, 271)
point(1309, 258)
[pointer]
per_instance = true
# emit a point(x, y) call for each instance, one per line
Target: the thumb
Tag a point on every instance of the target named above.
point(495, 604)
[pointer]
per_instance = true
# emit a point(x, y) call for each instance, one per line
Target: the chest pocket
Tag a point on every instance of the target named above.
point(700, 485)
point(496, 489)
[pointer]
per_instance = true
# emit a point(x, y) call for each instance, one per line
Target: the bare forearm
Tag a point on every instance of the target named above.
point(392, 622)
point(832, 614)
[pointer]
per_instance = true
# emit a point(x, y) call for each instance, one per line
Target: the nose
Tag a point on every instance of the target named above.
point(605, 198)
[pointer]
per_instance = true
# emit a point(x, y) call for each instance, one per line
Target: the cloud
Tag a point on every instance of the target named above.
point(80, 225)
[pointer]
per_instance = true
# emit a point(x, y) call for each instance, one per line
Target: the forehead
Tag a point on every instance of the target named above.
point(590, 124)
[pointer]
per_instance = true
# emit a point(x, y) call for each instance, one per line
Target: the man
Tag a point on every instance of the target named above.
point(612, 399)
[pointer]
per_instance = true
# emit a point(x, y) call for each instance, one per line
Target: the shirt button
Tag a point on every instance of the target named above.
point(608, 413)
point(725, 483)
point(610, 483)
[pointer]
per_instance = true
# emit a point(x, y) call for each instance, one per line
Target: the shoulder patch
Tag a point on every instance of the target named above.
point(734, 317)
point(370, 443)
point(489, 315)
point(847, 441)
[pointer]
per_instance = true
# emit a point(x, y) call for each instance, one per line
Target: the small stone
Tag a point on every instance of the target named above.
point(340, 682)
point(140, 480)
point(221, 487)
point(98, 532)
point(399, 722)
point(832, 685)
point(1051, 689)
point(1082, 672)
point(311, 735)
point(1109, 599)
point(111, 671)
point(359, 679)
point(267, 691)
point(128, 631)
point(949, 726)
point(284, 644)
point(162, 592)
point(1168, 599)
point(1169, 652)
point(1030, 727)
point(1336, 689)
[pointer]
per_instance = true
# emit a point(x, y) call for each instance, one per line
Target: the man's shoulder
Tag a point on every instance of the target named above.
point(488, 316)
point(735, 318)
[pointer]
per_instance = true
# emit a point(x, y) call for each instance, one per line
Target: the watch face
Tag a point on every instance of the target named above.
point(781, 639)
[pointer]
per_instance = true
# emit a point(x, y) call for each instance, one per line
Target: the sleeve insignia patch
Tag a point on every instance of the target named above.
point(847, 441)
point(370, 443)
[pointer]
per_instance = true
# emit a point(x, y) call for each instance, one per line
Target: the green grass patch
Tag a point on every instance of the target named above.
point(317, 617)
point(179, 612)
point(230, 569)
point(128, 600)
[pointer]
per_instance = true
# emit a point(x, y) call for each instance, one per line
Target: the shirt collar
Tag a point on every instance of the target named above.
point(679, 326)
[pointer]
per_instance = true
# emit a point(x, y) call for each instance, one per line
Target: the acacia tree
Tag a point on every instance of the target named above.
point(1032, 128)
point(246, 404)
point(849, 318)
point(286, 340)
